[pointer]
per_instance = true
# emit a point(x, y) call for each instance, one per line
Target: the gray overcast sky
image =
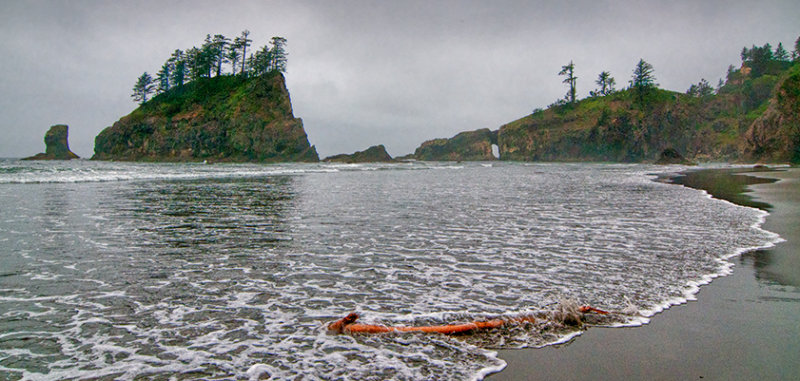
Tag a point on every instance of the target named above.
point(367, 72)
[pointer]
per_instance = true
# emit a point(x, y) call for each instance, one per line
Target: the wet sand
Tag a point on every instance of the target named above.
point(744, 326)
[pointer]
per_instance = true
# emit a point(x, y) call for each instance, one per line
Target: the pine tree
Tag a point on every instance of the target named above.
point(233, 54)
point(278, 54)
point(781, 54)
point(178, 63)
point(219, 51)
point(142, 88)
point(244, 42)
point(643, 80)
point(163, 78)
point(606, 83)
point(569, 71)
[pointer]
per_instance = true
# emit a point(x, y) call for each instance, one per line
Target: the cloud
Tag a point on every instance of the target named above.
point(363, 72)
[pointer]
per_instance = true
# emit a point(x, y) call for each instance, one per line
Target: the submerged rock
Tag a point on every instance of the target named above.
point(57, 145)
point(374, 154)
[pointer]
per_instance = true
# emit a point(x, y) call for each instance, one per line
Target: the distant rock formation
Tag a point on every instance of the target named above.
point(672, 156)
point(224, 118)
point(466, 146)
point(372, 154)
point(57, 145)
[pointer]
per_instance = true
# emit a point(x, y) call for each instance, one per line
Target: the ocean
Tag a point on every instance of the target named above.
point(233, 271)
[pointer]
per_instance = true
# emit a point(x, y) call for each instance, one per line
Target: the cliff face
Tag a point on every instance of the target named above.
point(616, 128)
point(372, 154)
point(466, 146)
point(750, 119)
point(225, 118)
point(57, 145)
point(775, 136)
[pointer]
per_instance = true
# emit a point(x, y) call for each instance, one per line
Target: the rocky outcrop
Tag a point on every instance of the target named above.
point(374, 154)
point(775, 135)
point(226, 118)
point(466, 146)
point(57, 145)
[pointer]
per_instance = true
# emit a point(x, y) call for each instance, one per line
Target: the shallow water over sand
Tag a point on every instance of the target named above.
point(232, 271)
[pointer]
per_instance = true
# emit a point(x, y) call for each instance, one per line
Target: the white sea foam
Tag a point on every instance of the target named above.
point(236, 273)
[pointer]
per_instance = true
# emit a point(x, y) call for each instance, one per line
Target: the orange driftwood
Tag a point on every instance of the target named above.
point(586, 309)
point(348, 324)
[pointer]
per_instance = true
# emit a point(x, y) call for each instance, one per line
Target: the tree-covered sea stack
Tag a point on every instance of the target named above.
point(200, 112)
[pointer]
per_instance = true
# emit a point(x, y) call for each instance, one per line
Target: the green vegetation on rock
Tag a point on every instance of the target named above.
point(754, 116)
point(470, 145)
point(56, 142)
point(374, 154)
point(223, 118)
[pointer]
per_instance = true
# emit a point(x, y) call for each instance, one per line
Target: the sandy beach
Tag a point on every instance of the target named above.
point(743, 326)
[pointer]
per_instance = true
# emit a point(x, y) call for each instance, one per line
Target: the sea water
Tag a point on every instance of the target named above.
point(233, 271)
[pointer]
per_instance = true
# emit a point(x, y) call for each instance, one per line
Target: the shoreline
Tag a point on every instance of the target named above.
point(740, 326)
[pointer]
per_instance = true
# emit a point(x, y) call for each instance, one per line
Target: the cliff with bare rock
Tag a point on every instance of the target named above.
point(56, 142)
point(224, 118)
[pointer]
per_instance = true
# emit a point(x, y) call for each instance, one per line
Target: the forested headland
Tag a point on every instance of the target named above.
point(753, 114)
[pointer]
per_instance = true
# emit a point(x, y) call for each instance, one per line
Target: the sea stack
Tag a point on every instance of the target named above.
point(57, 145)
point(374, 154)
point(219, 119)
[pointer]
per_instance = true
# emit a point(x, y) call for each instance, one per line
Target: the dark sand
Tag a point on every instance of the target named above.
point(745, 326)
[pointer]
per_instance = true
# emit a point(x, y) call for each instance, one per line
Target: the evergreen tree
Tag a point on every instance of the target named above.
point(758, 60)
point(219, 51)
point(780, 53)
point(142, 88)
point(244, 42)
point(606, 83)
point(206, 56)
point(731, 73)
point(643, 80)
point(194, 66)
point(233, 54)
point(178, 64)
point(569, 71)
point(261, 61)
point(278, 54)
point(701, 90)
point(163, 78)
point(796, 52)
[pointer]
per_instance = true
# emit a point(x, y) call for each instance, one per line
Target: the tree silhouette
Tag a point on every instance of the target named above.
point(218, 51)
point(643, 80)
point(278, 54)
point(233, 54)
point(178, 63)
point(197, 63)
point(142, 88)
point(780, 53)
point(606, 83)
point(163, 78)
point(244, 42)
point(569, 71)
